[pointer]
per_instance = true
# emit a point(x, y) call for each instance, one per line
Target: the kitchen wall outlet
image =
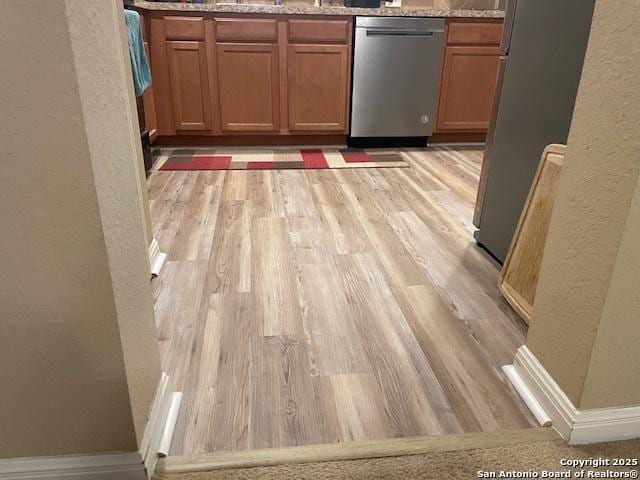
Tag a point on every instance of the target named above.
point(393, 3)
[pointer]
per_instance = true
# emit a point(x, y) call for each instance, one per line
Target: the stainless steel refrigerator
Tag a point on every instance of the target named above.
point(543, 48)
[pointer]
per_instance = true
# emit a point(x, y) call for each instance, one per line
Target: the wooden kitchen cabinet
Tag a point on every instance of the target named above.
point(249, 87)
point(189, 80)
point(468, 83)
point(243, 76)
point(318, 81)
point(469, 74)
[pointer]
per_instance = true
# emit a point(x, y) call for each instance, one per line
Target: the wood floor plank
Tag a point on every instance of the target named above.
point(241, 321)
point(264, 193)
point(478, 391)
point(360, 408)
point(178, 188)
point(424, 178)
point(309, 232)
point(443, 267)
point(168, 215)
point(274, 277)
point(387, 198)
point(329, 411)
point(230, 259)
point(310, 240)
point(466, 162)
point(236, 186)
point(195, 235)
point(209, 219)
point(437, 169)
point(452, 205)
point(463, 285)
point(180, 299)
point(199, 408)
point(179, 321)
point(284, 408)
point(413, 406)
point(296, 193)
point(408, 182)
point(336, 344)
point(320, 306)
point(157, 183)
point(383, 240)
point(347, 232)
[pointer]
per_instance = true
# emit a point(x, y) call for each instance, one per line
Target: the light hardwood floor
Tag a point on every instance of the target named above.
point(301, 307)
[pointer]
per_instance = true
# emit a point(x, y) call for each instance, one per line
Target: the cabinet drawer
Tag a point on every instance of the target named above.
point(249, 30)
point(474, 33)
point(334, 31)
point(184, 28)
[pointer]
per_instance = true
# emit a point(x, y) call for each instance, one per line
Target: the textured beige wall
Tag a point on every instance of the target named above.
point(77, 369)
point(583, 280)
point(109, 109)
point(613, 378)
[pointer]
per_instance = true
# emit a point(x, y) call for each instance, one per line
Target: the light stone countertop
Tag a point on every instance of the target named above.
point(301, 9)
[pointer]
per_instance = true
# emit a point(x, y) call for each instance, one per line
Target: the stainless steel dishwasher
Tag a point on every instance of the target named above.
point(396, 69)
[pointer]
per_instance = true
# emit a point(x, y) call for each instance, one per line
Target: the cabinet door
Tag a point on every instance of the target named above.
point(249, 87)
point(468, 84)
point(189, 85)
point(318, 77)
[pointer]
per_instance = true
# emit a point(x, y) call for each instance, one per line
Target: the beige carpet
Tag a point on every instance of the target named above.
point(451, 465)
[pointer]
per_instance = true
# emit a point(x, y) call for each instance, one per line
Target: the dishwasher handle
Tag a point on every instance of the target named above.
point(398, 33)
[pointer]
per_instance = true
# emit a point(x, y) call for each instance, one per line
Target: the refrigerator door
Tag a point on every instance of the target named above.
point(488, 148)
point(541, 78)
point(507, 29)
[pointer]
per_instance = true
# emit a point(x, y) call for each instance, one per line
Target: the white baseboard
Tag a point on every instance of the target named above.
point(575, 426)
point(170, 424)
point(529, 399)
point(159, 431)
point(107, 466)
point(156, 257)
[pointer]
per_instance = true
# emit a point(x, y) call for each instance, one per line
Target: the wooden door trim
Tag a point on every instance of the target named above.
point(441, 124)
point(343, 51)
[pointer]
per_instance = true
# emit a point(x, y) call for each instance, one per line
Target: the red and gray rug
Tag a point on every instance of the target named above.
point(276, 159)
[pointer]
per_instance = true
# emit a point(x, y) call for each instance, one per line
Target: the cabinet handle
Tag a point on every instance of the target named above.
point(398, 33)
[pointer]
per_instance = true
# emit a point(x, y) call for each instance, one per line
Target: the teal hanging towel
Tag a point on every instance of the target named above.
point(139, 63)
